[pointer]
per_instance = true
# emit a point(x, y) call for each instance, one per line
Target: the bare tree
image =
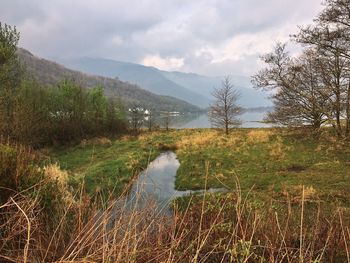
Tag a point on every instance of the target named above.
point(167, 118)
point(314, 87)
point(331, 29)
point(224, 111)
point(330, 36)
point(136, 118)
point(298, 96)
point(149, 118)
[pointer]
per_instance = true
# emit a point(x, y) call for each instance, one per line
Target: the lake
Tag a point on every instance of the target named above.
point(250, 119)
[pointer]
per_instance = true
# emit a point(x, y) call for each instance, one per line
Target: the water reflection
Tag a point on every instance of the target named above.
point(157, 184)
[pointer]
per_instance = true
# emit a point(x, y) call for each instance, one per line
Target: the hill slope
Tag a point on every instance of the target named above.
point(193, 88)
point(48, 72)
point(249, 97)
point(148, 78)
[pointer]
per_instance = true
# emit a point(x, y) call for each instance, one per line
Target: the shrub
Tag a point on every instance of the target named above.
point(20, 173)
point(17, 170)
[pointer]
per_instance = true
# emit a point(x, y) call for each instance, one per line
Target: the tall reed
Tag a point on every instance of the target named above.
point(228, 227)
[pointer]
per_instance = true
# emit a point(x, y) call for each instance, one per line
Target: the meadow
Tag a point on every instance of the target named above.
point(267, 162)
point(287, 200)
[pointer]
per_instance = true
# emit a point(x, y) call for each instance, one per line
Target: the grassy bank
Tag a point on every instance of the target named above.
point(104, 165)
point(270, 162)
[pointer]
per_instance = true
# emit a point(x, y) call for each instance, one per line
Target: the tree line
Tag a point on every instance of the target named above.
point(313, 88)
point(34, 114)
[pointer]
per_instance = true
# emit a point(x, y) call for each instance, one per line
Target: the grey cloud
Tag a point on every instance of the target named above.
point(130, 30)
point(244, 66)
point(18, 11)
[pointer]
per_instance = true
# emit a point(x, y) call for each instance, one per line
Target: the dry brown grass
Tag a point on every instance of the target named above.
point(232, 140)
point(259, 136)
point(227, 228)
point(54, 173)
point(198, 139)
point(295, 193)
point(126, 138)
point(278, 149)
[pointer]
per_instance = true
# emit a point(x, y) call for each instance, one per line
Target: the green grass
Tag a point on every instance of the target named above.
point(271, 162)
point(108, 167)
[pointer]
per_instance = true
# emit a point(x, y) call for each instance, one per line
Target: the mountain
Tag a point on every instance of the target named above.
point(193, 88)
point(249, 97)
point(49, 73)
point(148, 78)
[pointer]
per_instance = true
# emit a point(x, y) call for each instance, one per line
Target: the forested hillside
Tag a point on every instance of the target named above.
point(48, 72)
point(194, 88)
point(148, 78)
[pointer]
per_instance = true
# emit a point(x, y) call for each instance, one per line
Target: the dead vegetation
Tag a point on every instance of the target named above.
point(220, 228)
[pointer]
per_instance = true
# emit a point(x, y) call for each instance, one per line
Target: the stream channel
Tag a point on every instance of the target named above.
point(157, 184)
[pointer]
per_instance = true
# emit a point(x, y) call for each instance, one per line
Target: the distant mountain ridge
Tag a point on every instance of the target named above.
point(49, 73)
point(193, 88)
point(249, 97)
point(149, 78)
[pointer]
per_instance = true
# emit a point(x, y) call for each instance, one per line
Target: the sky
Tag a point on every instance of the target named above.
point(210, 37)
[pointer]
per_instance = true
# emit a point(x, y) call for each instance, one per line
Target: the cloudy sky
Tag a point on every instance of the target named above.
point(212, 37)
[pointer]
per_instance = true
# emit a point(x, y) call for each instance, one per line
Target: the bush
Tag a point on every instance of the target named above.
point(20, 172)
point(17, 170)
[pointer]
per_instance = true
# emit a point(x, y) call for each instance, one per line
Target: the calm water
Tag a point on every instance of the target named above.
point(249, 120)
point(157, 184)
